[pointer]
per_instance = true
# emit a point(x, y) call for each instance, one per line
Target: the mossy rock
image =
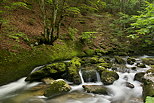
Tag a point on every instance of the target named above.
point(108, 77)
point(148, 61)
point(105, 65)
point(96, 89)
point(73, 75)
point(89, 52)
point(141, 65)
point(131, 60)
point(54, 70)
point(57, 87)
point(139, 76)
point(37, 75)
point(75, 62)
point(119, 60)
point(100, 69)
point(148, 88)
point(56, 67)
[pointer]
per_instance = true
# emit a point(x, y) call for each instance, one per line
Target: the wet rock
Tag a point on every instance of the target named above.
point(54, 70)
point(148, 61)
point(47, 80)
point(105, 65)
point(108, 77)
point(73, 75)
point(96, 89)
point(128, 84)
point(89, 75)
point(57, 87)
point(148, 88)
point(141, 65)
point(73, 70)
point(119, 60)
point(139, 76)
point(133, 68)
point(131, 61)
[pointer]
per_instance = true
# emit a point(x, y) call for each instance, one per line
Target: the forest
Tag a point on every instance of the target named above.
point(77, 51)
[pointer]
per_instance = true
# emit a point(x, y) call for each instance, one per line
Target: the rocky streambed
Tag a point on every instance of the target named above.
point(88, 79)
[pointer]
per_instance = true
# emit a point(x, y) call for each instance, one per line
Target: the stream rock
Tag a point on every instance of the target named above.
point(108, 77)
point(57, 87)
point(89, 74)
point(131, 60)
point(119, 60)
point(139, 76)
point(148, 61)
point(73, 71)
point(128, 84)
point(54, 70)
point(141, 65)
point(96, 89)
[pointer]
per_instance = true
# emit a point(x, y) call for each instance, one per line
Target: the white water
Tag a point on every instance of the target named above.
point(118, 92)
point(12, 89)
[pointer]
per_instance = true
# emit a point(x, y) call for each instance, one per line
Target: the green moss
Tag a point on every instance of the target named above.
point(105, 65)
point(22, 63)
point(56, 88)
point(89, 52)
point(108, 77)
point(119, 60)
point(76, 62)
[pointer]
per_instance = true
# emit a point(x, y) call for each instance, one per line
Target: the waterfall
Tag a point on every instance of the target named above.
point(80, 73)
point(97, 77)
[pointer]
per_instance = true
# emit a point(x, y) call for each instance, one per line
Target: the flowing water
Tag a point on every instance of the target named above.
point(118, 92)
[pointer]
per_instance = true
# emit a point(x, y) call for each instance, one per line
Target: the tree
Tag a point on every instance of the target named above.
point(53, 12)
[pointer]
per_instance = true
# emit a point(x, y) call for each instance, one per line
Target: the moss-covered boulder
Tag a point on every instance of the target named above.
point(73, 70)
point(100, 69)
point(108, 77)
point(148, 88)
point(54, 70)
point(76, 62)
point(96, 89)
point(105, 65)
point(141, 65)
point(139, 76)
point(119, 60)
point(131, 60)
point(148, 61)
point(73, 75)
point(149, 99)
point(57, 87)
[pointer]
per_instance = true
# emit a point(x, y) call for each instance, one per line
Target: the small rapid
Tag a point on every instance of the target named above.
point(123, 90)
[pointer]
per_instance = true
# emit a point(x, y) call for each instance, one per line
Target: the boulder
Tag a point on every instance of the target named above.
point(89, 75)
point(105, 65)
point(73, 70)
point(73, 75)
point(96, 89)
point(57, 87)
point(141, 65)
point(139, 76)
point(148, 61)
point(148, 88)
point(128, 84)
point(108, 77)
point(119, 60)
point(54, 70)
point(131, 60)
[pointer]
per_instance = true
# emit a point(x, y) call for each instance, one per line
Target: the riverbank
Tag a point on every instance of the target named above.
point(16, 65)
